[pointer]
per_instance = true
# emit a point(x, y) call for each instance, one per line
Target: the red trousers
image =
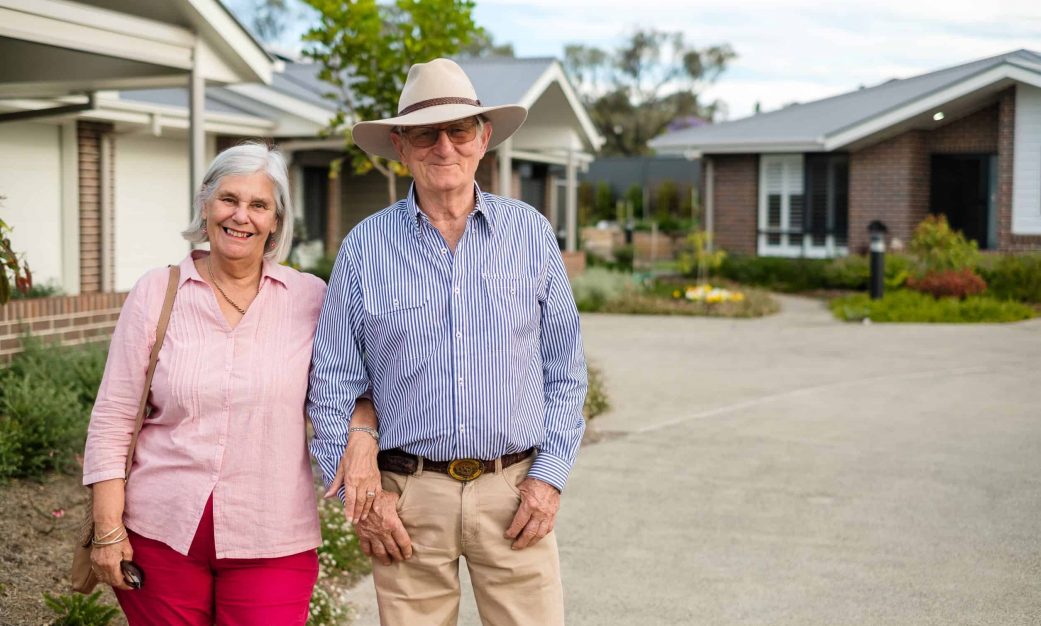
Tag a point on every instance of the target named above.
point(202, 590)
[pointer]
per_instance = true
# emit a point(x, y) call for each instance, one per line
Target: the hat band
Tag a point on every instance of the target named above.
point(433, 102)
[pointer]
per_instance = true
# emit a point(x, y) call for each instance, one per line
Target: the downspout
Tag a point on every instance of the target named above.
point(710, 203)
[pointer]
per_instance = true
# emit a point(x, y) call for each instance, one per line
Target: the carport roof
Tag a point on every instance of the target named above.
point(840, 121)
point(54, 48)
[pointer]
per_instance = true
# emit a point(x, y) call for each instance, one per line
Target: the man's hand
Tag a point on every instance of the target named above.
point(381, 534)
point(536, 514)
point(357, 471)
point(359, 476)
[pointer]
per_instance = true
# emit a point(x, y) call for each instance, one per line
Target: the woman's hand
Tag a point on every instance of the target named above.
point(357, 471)
point(108, 526)
point(106, 561)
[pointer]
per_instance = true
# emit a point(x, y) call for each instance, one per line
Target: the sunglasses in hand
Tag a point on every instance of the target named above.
point(133, 576)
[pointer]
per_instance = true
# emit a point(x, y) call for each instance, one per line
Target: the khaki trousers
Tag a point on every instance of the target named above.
point(447, 519)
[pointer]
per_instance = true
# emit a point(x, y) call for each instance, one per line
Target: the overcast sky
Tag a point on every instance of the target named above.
point(788, 50)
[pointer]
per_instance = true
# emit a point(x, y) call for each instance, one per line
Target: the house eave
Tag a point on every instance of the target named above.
point(993, 79)
point(695, 150)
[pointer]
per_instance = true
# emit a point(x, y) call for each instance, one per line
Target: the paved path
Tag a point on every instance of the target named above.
point(796, 470)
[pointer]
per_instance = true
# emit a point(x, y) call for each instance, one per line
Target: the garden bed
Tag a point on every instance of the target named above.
point(39, 520)
point(914, 307)
point(603, 291)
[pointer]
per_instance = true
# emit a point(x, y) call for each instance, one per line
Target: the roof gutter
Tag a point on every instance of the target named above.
point(15, 116)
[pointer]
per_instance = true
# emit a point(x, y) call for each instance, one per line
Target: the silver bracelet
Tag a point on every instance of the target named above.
point(364, 429)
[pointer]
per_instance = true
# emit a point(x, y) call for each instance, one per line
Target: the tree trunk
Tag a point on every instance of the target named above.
point(392, 187)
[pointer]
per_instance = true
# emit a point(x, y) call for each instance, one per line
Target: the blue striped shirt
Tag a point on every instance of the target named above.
point(472, 353)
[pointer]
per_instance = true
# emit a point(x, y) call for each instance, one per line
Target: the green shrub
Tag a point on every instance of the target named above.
point(800, 274)
point(776, 273)
point(597, 401)
point(45, 399)
point(937, 247)
point(1012, 276)
point(340, 564)
point(340, 551)
point(911, 306)
point(694, 257)
point(323, 268)
point(79, 610)
point(596, 286)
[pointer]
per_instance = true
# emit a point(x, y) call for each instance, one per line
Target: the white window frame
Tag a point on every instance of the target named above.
point(791, 183)
point(793, 179)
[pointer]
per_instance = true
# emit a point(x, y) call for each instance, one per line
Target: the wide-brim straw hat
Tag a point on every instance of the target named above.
point(435, 93)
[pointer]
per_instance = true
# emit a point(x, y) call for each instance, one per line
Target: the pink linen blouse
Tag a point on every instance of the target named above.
point(227, 420)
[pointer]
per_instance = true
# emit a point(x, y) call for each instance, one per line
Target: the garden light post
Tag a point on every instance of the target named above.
point(878, 258)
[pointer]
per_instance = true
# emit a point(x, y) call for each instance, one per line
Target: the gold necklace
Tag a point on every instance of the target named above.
point(209, 270)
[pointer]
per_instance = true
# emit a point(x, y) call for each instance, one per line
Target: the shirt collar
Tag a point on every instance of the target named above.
point(481, 207)
point(275, 271)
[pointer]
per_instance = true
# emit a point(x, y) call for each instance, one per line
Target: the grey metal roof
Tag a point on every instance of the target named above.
point(503, 80)
point(807, 123)
point(177, 97)
point(300, 80)
point(497, 80)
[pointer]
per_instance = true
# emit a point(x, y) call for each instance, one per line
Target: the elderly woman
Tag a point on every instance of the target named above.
point(219, 512)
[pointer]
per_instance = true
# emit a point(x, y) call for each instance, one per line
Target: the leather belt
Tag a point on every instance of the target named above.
point(464, 470)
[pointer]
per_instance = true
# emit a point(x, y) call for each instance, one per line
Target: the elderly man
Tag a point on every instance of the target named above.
point(452, 309)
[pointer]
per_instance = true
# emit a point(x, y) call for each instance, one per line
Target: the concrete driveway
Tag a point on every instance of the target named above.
point(798, 470)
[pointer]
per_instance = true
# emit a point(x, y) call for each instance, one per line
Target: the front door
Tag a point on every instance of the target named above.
point(962, 189)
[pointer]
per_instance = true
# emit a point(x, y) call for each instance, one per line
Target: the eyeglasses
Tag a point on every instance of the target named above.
point(459, 132)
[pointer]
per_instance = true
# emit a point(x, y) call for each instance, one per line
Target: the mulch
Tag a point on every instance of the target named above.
point(39, 523)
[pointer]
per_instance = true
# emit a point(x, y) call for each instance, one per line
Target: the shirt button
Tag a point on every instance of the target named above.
point(460, 380)
point(459, 334)
point(395, 302)
point(457, 289)
point(444, 250)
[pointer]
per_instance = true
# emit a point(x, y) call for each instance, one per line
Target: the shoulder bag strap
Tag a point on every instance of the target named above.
point(160, 334)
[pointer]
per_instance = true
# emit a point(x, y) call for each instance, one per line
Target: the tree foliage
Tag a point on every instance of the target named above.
point(653, 80)
point(365, 50)
point(268, 19)
point(12, 268)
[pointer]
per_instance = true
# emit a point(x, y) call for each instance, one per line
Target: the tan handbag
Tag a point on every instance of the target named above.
point(83, 578)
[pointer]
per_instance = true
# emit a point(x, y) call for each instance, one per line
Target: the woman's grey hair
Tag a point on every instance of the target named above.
point(243, 160)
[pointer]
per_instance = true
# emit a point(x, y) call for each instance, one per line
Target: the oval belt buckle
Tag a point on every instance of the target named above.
point(465, 470)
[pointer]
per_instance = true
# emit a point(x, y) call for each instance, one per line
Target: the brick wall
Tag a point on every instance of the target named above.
point(735, 201)
point(974, 134)
point(89, 137)
point(888, 181)
point(68, 320)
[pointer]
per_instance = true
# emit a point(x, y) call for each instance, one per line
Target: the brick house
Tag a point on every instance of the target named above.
point(83, 174)
point(807, 180)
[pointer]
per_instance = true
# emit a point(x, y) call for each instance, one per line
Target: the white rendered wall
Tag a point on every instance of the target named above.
point(1026, 164)
point(151, 204)
point(30, 178)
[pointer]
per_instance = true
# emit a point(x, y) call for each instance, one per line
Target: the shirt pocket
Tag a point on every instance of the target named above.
point(513, 313)
point(398, 325)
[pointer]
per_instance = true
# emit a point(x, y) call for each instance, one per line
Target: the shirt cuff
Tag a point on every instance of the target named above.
point(102, 475)
point(550, 469)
